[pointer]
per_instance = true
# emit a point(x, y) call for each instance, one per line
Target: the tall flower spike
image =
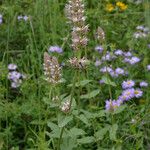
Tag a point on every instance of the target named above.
point(52, 69)
point(75, 13)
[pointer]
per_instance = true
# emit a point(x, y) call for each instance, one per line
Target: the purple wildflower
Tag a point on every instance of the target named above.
point(20, 17)
point(99, 48)
point(134, 60)
point(12, 66)
point(101, 81)
point(148, 45)
point(143, 84)
point(25, 18)
point(138, 93)
point(98, 63)
point(56, 49)
point(119, 71)
point(113, 73)
point(118, 52)
point(108, 57)
point(14, 75)
point(106, 69)
point(128, 84)
point(148, 67)
point(140, 27)
point(112, 105)
point(127, 54)
point(127, 94)
point(1, 19)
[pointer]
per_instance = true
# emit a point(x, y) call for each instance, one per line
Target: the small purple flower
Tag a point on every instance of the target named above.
point(99, 48)
point(134, 60)
point(106, 69)
point(1, 19)
point(25, 18)
point(98, 63)
point(128, 84)
point(148, 45)
point(118, 52)
point(56, 49)
point(14, 75)
point(12, 66)
point(143, 84)
point(126, 60)
point(108, 57)
point(140, 27)
point(127, 94)
point(119, 71)
point(148, 67)
point(138, 93)
point(20, 17)
point(112, 105)
point(127, 54)
point(113, 73)
point(101, 81)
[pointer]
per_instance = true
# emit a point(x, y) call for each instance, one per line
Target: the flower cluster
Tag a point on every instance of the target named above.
point(119, 5)
point(14, 76)
point(52, 69)
point(114, 73)
point(128, 93)
point(78, 63)
point(75, 13)
point(1, 19)
point(65, 107)
point(142, 32)
point(56, 49)
point(25, 18)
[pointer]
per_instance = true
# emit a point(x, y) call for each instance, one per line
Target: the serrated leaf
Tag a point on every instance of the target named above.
point(91, 94)
point(100, 134)
point(108, 81)
point(69, 143)
point(64, 120)
point(53, 126)
point(86, 140)
point(113, 131)
point(83, 119)
point(80, 83)
point(76, 132)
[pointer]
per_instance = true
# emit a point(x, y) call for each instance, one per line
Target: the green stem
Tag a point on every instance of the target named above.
point(60, 138)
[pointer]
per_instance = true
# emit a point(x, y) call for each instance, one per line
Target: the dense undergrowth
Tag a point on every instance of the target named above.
point(74, 75)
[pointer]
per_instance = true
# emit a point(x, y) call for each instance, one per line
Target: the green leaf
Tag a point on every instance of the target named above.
point(120, 109)
point(113, 131)
point(64, 120)
point(81, 83)
point(83, 119)
point(86, 140)
point(90, 95)
point(53, 126)
point(76, 132)
point(100, 134)
point(69, 143)
point(108, 81)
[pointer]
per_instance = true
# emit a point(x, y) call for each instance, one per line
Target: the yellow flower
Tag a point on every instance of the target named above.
point(121, 5)
point(110, 7)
